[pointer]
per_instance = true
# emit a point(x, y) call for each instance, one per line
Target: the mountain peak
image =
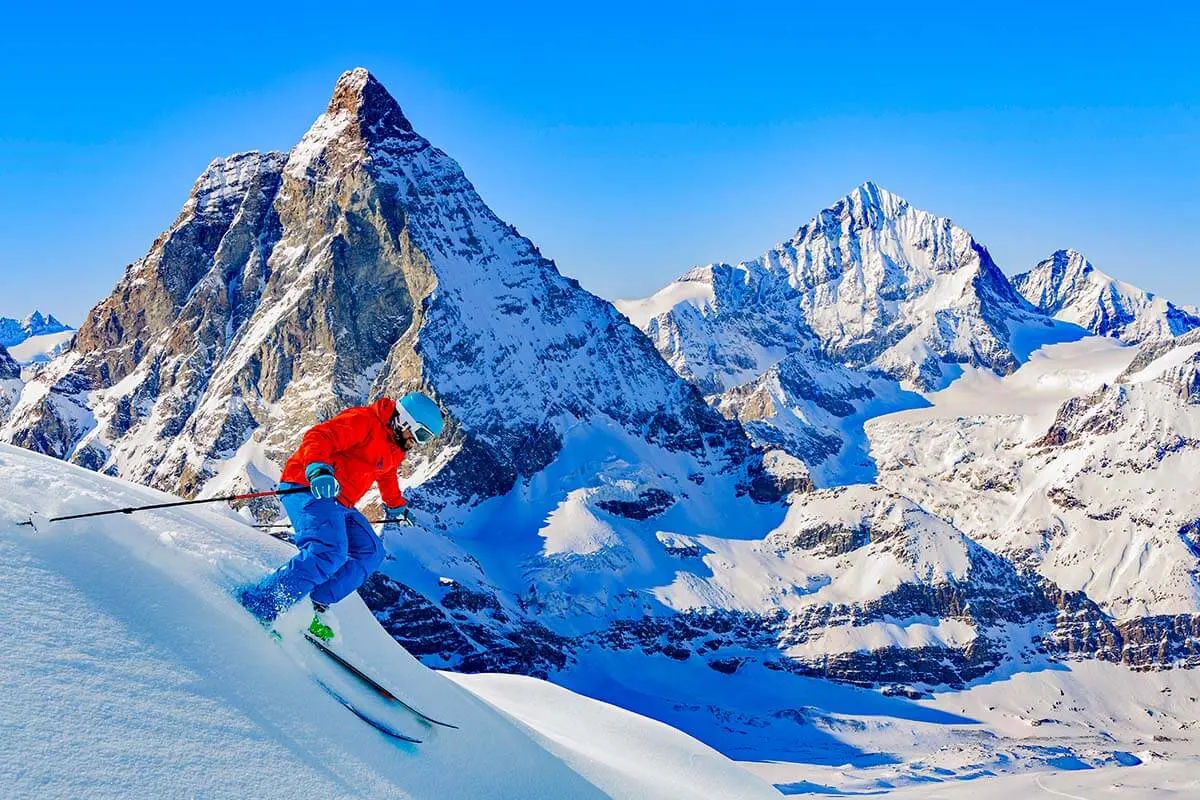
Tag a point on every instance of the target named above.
point(1071, 263)
point(13, 332)
point(360, 95)
point(868, 204)
point(1067, 287)
point(873, 193)
point(34, 319)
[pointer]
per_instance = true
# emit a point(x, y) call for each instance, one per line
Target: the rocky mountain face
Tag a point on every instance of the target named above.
point(8, 367)
point(295, 284)
point(1067, 287)
point(13, 332)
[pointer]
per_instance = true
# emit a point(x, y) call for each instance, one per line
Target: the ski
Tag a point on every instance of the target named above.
point(382, 727)
point(369, 681)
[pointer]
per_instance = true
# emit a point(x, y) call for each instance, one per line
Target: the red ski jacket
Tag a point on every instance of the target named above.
point(359, 446)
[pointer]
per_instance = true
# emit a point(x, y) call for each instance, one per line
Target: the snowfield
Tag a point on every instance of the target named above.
point(130, 672)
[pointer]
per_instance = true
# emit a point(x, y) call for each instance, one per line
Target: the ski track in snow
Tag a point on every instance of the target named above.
point(1054, 792)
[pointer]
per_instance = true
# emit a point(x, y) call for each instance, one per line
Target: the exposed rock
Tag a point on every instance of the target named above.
point(9, 369)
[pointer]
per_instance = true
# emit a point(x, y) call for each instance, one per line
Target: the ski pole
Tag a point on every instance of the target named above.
point(132, 509)
point(288, 524)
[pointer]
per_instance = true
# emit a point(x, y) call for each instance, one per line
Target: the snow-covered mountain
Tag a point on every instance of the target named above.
point(13, 332)
point(1077, 467)
point(873, 281)
point(361, 262)
point(870, 300)
point(1067, 287)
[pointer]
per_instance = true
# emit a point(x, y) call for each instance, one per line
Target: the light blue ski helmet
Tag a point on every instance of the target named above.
point(420, 415)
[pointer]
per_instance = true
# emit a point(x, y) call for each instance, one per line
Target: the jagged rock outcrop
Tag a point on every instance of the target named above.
point(1067, 287)
point(9, 369)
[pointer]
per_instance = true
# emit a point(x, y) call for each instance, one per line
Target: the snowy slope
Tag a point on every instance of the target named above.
point(42, 347)
point(1088, 731)
point(1067, 287)
point(1078, 465)
point(135, 675)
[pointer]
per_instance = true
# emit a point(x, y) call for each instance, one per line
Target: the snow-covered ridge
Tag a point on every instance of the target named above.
point(1068, 287)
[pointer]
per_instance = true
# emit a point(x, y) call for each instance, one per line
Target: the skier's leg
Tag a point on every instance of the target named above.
point(365, 556)
point(321, 538)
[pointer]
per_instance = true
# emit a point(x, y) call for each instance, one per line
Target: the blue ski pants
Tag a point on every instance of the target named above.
point(338, 550)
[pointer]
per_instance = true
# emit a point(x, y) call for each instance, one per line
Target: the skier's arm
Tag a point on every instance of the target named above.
point(389, 490)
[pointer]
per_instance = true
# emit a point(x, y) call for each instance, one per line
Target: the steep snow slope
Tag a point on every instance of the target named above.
point(136, 675)
point(1067, 287)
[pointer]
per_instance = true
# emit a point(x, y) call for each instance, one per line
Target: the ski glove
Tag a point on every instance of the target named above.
point(399, 516)
point(321, 481)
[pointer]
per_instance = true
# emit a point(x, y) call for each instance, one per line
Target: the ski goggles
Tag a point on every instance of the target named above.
point(403, 421)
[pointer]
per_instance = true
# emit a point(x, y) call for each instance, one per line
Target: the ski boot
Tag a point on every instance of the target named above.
point(319, 627)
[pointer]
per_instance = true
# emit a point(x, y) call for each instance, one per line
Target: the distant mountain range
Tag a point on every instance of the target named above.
point(13, 332)
point(839, 459)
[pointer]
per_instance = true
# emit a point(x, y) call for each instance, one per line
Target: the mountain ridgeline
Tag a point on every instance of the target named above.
point(611, 505)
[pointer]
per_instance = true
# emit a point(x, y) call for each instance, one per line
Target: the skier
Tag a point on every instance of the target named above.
point(339, 460)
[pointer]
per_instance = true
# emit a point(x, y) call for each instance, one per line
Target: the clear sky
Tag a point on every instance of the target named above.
point(629, 141)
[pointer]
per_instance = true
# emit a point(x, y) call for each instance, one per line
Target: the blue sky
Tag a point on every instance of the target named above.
point(628, 142)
